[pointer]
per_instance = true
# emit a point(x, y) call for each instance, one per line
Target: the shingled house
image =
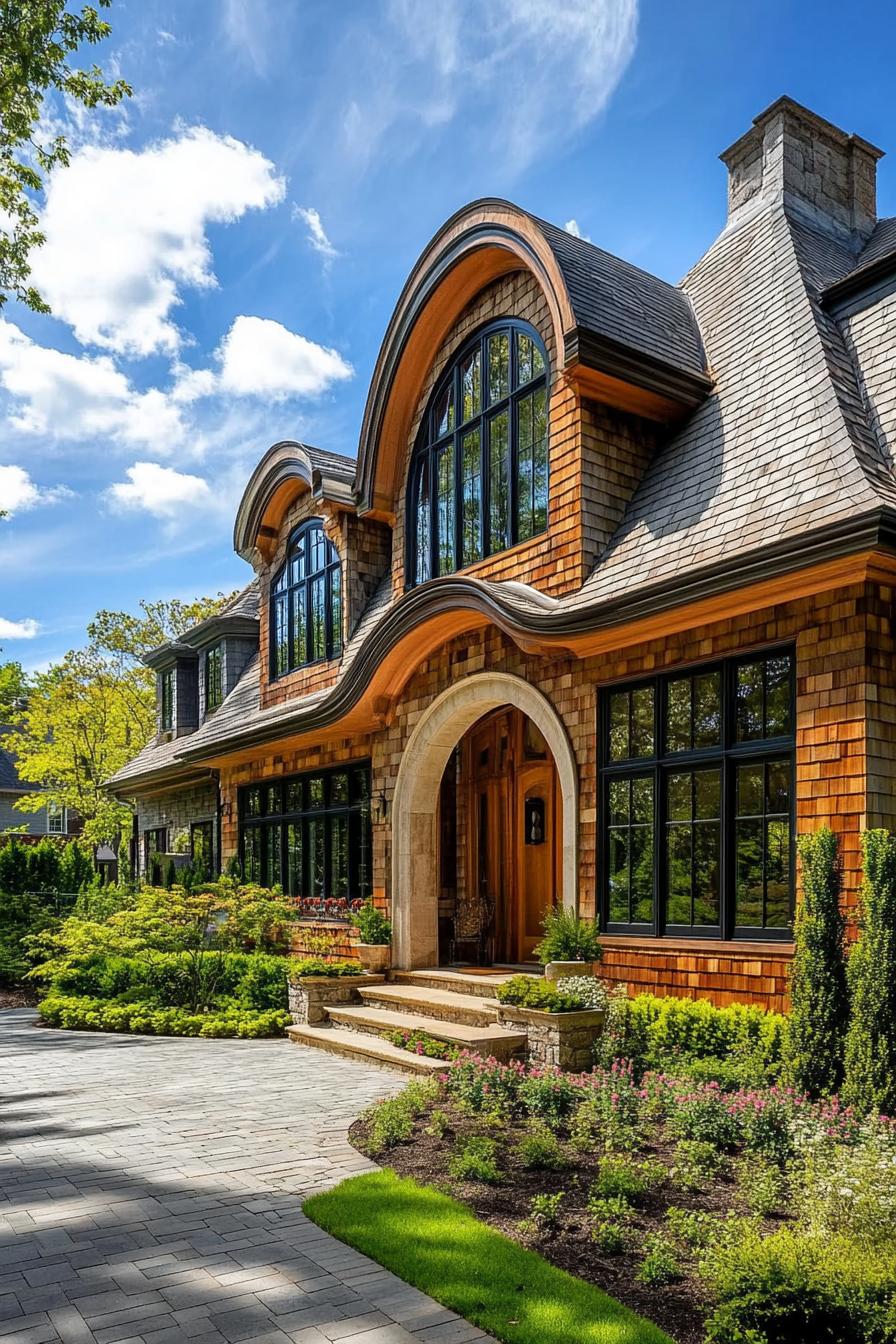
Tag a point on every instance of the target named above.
point(602, 613)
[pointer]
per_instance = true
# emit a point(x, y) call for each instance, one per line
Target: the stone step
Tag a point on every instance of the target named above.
point(442, 1004)
point(494, 1040)
point(457, 982)
point(365, 1049)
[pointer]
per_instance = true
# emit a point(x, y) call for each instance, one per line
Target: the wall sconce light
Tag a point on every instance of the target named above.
point(382, 807)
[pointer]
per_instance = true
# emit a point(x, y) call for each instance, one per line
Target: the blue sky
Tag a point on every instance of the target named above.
point(223, 255)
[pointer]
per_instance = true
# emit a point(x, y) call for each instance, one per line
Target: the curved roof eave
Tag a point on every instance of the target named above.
point(326, 475)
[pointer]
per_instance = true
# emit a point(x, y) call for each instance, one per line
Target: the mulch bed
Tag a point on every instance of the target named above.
point(678, 1308)
point(18, 998)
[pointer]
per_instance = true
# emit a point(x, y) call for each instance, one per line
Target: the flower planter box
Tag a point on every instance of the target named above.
point(564, 970)
point(309, 995)
point(374, 957)
point(559, 1040)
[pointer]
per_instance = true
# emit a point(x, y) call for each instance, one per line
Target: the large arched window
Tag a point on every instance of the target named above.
point(306, 602)
point(479, 473)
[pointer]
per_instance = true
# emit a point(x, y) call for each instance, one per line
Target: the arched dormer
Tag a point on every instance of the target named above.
point(479, 471)
point(306, 609)
point(286, 471)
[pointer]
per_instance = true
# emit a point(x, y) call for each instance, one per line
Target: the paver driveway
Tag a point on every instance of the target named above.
point(148, 1191)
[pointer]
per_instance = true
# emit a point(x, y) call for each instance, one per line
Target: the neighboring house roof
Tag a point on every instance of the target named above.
point(788, 459)
point(9, 774)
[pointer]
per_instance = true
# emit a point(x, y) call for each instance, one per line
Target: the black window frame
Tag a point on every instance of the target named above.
point(727, 755)
point(149, 849)
point(356, 809)
point(207, 828)
point(299, 593)
point(166, 699)
point(430, 444)
point(214, 677)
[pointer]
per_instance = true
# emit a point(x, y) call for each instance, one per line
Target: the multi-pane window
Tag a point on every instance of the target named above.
point(479, 474)
point(309, 834)
point(166, 699)
point(214, 678)
point(697, 789)
point(55, 819)
point(155, 842)
point(306, 602)
point(202, 846)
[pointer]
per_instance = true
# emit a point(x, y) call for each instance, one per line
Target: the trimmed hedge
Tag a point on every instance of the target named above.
point(530, 991)
point(658, 1033)
point(145, 1019)
point(320, 966)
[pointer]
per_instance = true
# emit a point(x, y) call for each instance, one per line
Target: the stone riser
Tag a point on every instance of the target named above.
point(494, 1040)
point(352, 1045)
point(464, 1007)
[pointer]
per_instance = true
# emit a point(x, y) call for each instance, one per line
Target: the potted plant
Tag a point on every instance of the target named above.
point(375, 934)
point(570, 945)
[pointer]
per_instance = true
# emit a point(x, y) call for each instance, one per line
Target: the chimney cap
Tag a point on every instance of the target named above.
point(798, 110)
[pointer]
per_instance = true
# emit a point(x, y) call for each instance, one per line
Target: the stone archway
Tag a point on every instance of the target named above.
point(415, 884)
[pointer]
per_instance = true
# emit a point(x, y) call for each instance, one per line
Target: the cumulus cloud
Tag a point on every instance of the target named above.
point(126, 230)
point(26, 629)
point(73, 397)
point(317, 234)
point(161, 491)
point(19, 492)
point(261, 358)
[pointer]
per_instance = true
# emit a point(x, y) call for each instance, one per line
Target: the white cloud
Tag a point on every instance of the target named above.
point(19, 492)
point(126, 230)
point(74, 397)
point(524, 76)
point(316, 235)
point(572, 226)
point(158, 490)
point(261, 358)
point(26, 629)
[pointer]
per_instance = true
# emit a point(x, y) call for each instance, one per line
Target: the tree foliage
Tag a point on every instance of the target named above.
point(37, 40)
point(819, 1000)
point(13, 687)
point(870, 1062)
point(87, 715)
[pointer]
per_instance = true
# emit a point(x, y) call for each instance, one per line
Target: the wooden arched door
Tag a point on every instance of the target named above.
point(512, 845)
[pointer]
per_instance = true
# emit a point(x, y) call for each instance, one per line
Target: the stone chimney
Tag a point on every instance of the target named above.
point(792, 155)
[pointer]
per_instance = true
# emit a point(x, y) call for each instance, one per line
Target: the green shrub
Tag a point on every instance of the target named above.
point(704, 1116)
point(439, 1124)
point(373, 926)
point(475, 1161)
point(550, 1097)
point(88, 1014)
point(201, 982)
point(660, 1264)
point(851, 1188)
point(624, 1178)
point(609, 1236)
point(306, 966)
point(478, 1084)
point(544, 1213)
point(762, 1185)
point(819, 1014)
point(540, 1150)
point(391, 1121)
point(568, 937)
point(661, 1033)
point(794, 1288)
point(696, 1162)
point(870, 1055)
point(530, 991)
point(694, 1228)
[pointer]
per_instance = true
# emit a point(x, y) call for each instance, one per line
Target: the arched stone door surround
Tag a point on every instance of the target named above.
point(415, 876)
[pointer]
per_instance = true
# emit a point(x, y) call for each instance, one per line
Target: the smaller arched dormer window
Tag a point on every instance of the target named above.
point(479, 471)
point(306, 602)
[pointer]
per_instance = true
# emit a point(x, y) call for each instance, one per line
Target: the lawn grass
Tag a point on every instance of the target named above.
point(440, 1247)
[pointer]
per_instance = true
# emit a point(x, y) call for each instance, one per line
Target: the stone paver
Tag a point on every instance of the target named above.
point(150, 1192)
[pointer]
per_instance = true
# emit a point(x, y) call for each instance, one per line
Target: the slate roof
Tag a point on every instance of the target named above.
point(617, 300)
point(9, 775)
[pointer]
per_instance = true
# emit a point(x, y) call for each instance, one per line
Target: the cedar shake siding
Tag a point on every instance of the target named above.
point(721, 488)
